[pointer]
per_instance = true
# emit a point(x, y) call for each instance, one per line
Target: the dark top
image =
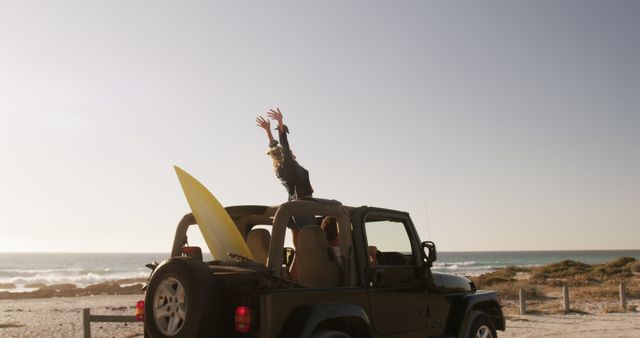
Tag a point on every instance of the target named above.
point(293, 176)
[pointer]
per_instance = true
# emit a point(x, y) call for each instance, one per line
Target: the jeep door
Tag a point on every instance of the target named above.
point(395, 281)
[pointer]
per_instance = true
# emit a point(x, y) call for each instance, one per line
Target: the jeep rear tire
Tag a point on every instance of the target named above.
point(330, 334)
point(180, 300)
point(482, 327)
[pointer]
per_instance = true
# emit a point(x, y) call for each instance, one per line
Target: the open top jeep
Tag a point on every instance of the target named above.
point(377, 281)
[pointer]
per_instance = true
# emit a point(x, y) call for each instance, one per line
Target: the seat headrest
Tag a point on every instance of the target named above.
point(258, 242)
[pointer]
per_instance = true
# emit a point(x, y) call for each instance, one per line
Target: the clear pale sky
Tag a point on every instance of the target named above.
point(516, 123)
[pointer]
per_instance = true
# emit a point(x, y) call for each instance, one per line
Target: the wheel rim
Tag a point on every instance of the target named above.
point(170, 306)
point(484, 332)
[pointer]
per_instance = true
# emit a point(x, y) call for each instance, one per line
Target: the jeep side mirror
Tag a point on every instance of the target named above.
point(429, 251)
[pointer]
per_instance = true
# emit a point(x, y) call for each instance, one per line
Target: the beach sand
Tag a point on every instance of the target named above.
point(574, 325)
point(62, 317)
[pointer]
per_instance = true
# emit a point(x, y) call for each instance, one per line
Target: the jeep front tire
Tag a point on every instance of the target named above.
point(482, 326)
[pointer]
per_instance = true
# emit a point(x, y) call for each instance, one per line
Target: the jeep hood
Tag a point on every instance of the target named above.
point(452, 283)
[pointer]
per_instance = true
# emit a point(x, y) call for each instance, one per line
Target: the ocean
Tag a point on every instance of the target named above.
point(28, 271)
point(477, 263)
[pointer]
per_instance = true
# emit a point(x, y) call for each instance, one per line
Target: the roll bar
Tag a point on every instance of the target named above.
point(180, 238)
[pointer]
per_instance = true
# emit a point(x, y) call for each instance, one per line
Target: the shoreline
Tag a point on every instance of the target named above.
point(127, 286)
point(536, 279)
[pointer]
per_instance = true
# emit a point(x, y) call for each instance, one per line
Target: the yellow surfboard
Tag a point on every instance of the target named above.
point(218, 229)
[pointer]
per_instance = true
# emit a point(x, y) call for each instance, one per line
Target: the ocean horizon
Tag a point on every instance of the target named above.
point(21, 271)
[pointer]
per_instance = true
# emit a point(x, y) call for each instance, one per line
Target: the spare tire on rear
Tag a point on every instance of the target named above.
point(180, 300)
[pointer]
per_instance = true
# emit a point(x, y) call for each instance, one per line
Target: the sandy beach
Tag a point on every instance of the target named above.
point(574, 325)
point(62, 317)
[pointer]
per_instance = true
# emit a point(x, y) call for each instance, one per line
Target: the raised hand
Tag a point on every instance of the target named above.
point(275, 115)
point(263, 123)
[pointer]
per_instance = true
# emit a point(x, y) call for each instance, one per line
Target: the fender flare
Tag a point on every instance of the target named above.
point(463, 307)
point(303, 320)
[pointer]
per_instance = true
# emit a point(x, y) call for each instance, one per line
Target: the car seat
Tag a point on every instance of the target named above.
point(316, 262)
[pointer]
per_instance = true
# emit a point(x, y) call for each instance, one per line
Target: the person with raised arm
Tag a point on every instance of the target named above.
point(291, 174)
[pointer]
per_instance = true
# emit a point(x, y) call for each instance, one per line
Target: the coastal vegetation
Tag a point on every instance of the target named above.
point(119, 287)
point(593, 288)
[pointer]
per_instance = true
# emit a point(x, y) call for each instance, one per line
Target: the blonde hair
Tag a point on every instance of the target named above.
point(277, 156)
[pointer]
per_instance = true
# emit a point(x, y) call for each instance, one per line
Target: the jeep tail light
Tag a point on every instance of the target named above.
point(192, 251)
point(140, 310)
point(243, 319)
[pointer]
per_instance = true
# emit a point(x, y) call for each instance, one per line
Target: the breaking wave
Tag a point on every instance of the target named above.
point(29, 271)
point(467, 268)
point(22, 279)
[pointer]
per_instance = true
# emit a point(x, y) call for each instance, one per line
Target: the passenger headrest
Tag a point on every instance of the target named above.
point(258, 242)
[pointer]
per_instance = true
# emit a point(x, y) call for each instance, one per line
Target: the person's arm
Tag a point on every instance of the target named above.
point(282, 128)
point(266, 125)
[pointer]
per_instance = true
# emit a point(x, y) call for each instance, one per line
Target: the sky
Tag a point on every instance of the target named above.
point(498, 125)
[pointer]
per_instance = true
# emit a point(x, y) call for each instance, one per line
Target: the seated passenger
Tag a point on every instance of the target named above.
point(330, 227)
point(372, 251)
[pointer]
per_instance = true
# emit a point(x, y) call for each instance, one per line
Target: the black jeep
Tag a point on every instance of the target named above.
point(375, 282)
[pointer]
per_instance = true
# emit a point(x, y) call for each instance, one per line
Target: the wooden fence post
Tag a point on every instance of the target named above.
point(523, 302)
point(623, 298)
point(86, 322)
point(565, 297)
